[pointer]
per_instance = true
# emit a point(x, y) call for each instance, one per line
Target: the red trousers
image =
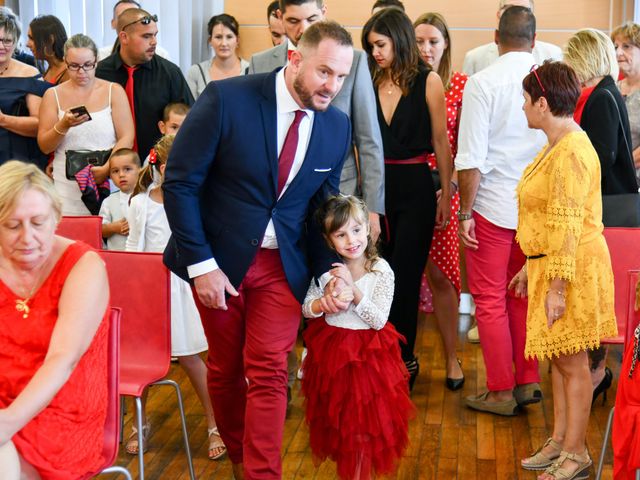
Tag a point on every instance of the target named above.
point(247, 365)
point(501, 317)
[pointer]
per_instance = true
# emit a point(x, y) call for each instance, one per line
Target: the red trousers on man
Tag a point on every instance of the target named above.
point(501, 317)
point(247, 365)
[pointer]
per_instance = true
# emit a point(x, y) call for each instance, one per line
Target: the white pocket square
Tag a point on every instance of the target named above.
point(321, 170)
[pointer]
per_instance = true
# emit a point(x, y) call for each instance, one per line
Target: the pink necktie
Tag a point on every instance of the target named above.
point(288, 152)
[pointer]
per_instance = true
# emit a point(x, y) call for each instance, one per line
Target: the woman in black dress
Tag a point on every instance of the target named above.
point(412, 116)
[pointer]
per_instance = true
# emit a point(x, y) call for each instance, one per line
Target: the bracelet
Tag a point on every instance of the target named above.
point(557, 291)
point(455, 187)
point(58, 131)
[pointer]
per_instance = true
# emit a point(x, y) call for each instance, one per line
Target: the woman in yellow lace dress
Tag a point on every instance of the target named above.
point(568, 275)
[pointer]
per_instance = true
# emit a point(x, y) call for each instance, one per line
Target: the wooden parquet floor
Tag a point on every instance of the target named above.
point(448, 441)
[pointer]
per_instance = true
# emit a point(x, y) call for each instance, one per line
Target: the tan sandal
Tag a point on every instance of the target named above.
point(132, 447)
point(539, 460)
point(217, 448)
point(582, 471)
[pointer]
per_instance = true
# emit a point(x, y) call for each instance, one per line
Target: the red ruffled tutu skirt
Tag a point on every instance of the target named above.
point(357, 398)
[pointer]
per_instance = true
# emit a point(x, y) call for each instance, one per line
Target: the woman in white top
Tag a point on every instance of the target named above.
point(109, 124)
point(223, 37)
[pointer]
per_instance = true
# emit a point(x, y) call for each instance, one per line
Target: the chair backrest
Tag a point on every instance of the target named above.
point(112, 422)
point(625, 255)
point(633, 315)
point(87, 229)
point(140, 286)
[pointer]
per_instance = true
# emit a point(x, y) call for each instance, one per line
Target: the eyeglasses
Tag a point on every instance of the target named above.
point(146, 20)
point(7, 42)
point(533, 70)
point(74, 67)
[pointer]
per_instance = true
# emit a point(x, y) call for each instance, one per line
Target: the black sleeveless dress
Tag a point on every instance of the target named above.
point(410, 204)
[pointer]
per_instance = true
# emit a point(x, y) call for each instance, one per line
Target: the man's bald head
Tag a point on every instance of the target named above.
point(129, 16)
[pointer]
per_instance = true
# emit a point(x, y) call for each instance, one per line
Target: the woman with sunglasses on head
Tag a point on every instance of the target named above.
point(21, 89)
point(567, 276)
point(442, 275)
point(412, 117)
point(46, 39)
point(106, 124)
point(224, 40)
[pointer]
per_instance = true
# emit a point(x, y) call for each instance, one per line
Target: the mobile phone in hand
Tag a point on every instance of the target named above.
point(79, 111)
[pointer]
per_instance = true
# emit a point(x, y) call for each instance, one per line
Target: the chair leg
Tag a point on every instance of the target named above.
point(184, 423)
point(122, 412)
point(605, 442)
point(140, 437)
point(117, 469)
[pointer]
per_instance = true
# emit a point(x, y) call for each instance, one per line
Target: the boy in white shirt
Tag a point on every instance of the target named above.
point(124, 169)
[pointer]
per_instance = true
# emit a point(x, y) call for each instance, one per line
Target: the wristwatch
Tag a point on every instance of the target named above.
point(464, 216)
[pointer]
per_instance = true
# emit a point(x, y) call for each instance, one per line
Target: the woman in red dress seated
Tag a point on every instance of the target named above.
point(53, 336)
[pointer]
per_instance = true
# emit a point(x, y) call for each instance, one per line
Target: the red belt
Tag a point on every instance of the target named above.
point(407, 161)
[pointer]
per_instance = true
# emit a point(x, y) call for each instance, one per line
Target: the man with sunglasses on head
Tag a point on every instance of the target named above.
point(495, 145)
point(151, 82)
point(119, 7)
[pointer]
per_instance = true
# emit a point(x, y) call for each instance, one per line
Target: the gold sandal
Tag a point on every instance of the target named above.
point(539, 460)
point(582, 472)
point(132, 447)
point(217, 448)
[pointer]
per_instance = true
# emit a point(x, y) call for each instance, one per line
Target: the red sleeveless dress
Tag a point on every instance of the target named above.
point(65, 440)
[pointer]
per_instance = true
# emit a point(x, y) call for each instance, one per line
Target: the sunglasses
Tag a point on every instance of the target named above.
point(146, 20)
point(533, 70)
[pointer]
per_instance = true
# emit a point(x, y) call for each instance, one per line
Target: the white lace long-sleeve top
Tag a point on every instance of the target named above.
point(372, 311)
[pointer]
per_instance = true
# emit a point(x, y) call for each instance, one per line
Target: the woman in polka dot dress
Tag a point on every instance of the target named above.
point(441, 284)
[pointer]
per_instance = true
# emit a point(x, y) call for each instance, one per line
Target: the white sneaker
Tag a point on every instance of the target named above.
point(300, 373)
point(472, 335)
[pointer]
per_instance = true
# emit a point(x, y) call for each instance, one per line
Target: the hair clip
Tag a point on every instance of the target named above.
point(153, 156)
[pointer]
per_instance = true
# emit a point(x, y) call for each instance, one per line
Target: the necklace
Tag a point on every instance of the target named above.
point(391, 88)
point(22, 305)
point(5, 68)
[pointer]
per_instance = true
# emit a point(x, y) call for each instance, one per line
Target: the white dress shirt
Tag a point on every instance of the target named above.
point(495, 138)
point(481, 57)
point(286, 108)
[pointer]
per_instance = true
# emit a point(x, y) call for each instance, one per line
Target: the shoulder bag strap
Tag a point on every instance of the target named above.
point(204, 79)
point(624, 135)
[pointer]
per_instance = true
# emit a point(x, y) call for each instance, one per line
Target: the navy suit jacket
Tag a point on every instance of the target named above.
point(221, 180)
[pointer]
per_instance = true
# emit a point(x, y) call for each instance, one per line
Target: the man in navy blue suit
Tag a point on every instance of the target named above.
point(253, 160)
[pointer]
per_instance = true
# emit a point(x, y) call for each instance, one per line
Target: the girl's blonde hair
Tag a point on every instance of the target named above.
point(336, 212)
point(157, 157)
point(591, 54)
point(16, 178)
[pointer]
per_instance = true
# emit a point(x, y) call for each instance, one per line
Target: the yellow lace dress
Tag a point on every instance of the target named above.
point(560, 216)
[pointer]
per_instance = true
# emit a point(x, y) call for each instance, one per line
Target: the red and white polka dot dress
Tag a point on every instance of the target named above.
point(444, 251)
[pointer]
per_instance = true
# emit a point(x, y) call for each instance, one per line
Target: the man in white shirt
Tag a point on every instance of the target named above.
point(484, 55)
point(248, 169)
point(119, 7)
point(494, 147)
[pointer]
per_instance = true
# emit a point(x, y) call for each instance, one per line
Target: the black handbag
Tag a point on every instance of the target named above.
point(621, 210)
point(76, 160)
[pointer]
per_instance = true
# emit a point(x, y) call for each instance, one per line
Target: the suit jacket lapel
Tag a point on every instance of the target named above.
point(269, 111)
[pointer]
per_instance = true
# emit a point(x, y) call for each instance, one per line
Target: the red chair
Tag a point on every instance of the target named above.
point(140, 285)
point(112, 422)
point(625, 256)
point(87, 229)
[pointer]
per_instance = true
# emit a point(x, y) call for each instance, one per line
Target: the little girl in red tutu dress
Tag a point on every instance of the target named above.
point(355, 382)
